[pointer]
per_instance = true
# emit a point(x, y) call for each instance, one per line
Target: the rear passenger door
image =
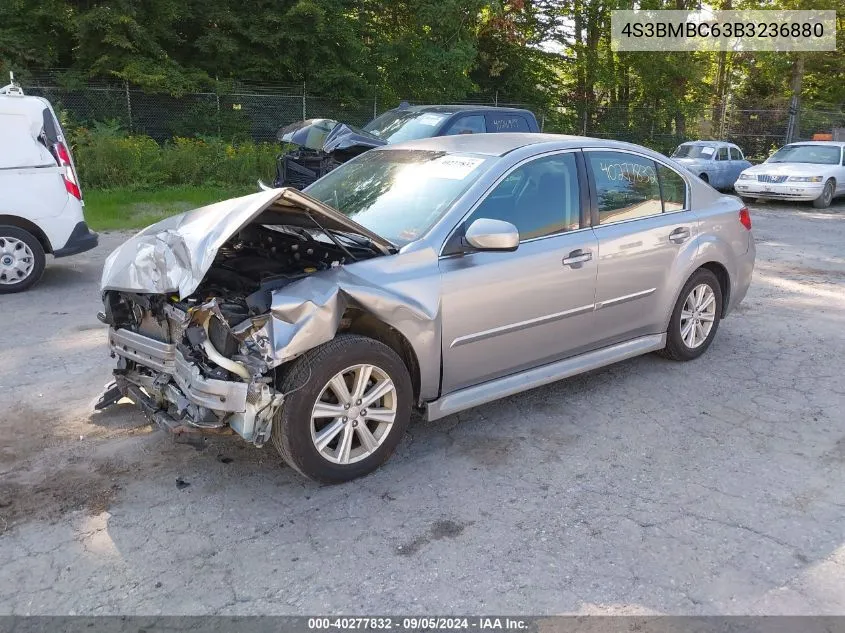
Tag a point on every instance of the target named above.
point(644, 226)
point(737, 165)
point(721, 169)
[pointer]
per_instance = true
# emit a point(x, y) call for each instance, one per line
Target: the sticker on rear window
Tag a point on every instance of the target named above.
point(453, 167)
point(430, 119)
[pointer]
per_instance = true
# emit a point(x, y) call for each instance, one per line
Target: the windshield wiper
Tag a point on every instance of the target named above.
point(332, 237)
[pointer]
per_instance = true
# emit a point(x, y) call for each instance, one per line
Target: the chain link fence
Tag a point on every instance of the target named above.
point(243, 111)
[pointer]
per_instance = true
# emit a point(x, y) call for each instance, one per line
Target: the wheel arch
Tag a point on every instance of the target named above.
point(724, 279)
point(358, 321)
point(29, 227)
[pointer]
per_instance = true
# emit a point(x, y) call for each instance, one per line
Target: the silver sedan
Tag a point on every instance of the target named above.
point(439, 274)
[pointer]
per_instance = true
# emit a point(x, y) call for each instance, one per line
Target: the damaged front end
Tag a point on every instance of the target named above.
point(204, 308)
point(185, 366)
point(321, 145)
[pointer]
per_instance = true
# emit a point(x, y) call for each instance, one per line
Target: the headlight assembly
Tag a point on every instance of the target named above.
point(805, 178)
point(745, 177)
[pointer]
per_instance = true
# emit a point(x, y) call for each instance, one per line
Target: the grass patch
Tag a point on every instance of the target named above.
point(120, 209)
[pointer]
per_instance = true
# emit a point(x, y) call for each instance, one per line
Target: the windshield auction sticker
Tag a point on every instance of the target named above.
point(453, 166)
point(775, 30)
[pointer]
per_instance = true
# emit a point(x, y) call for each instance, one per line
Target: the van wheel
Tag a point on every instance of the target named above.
point(21, 259)
point(347, 406)
point(695, 318)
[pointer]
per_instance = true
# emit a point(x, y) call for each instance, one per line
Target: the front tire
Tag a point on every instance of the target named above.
point(22, 259)
point(824, 200)
point(347, 407)
point(695, 318)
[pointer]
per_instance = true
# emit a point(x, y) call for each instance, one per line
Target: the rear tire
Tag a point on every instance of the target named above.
point(327, 429)
point(705, 178)
point(22, 259)
point(695, 318)
point(824, 200)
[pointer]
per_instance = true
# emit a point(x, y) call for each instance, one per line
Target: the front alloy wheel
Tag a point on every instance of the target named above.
point(353, 414)
point(347, 405)
point(824, 200)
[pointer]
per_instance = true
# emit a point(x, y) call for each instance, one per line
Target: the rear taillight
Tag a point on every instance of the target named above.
point(71, 183)
point(745, 218)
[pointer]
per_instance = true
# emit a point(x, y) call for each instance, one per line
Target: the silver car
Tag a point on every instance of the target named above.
point(715, 162)
point(437, 274)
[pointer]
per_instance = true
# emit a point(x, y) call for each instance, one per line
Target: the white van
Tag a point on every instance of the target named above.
point(40, 198)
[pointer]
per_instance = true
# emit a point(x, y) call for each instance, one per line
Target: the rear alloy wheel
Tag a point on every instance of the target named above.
point(347, 407)
point(824, 200)
point(21, 259)
point(695, 318)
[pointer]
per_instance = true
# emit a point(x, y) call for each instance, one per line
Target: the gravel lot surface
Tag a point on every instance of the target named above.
point(716, 486)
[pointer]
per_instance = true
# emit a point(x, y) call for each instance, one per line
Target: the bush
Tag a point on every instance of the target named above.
point(108, 158)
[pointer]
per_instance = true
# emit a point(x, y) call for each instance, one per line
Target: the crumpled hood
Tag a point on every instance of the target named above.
point(328, 135)
point(173, 255)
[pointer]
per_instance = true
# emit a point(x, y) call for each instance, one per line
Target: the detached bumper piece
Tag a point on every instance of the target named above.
point(174, 394)
point(81, 239)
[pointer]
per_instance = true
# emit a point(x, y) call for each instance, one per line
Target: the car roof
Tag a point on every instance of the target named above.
point(459, 107)
point(501, 143)
point(709, 143)
point(835, 143)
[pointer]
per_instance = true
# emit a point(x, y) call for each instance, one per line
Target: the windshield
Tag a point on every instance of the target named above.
point(395, 126)
point(816, 154)
point(693, 151)
point(399, 194)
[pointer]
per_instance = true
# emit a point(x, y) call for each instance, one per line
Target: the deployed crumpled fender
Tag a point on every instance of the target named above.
point(307, 312)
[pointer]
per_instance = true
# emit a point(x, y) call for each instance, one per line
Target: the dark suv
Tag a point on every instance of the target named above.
point(323, 144)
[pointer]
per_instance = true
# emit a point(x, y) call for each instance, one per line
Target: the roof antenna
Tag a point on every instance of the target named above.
point(12, 88)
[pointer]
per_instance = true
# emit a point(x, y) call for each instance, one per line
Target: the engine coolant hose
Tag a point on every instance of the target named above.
point(218, 358)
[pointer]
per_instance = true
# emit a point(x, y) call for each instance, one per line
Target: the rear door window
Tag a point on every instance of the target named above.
point(626, 186)
point(674, 189)
point(736, 154)
point(506, 123)
point(470, 124)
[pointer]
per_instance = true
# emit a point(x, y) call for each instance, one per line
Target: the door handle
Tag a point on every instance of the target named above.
point(577, 257)
point(679, 235)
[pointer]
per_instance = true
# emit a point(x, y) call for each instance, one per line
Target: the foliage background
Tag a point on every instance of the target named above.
point(552, 55)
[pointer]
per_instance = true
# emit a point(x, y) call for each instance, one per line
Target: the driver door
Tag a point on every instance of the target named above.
point(503, 312)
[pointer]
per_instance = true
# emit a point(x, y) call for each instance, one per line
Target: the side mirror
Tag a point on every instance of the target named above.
point(492, 235)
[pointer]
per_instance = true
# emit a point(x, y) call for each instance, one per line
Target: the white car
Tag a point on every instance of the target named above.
point(41, 203)
point(809, 171)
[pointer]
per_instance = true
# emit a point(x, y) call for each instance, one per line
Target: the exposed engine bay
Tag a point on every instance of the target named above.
point(192, 363)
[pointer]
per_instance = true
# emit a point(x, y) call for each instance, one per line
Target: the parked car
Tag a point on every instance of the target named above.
point(439, 273)
point(811, 171)
point(41, 205)
point(323, 144)
point(715, 162)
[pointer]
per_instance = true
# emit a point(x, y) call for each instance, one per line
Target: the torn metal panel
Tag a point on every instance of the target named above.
point(173, 256)
point(404, 294)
